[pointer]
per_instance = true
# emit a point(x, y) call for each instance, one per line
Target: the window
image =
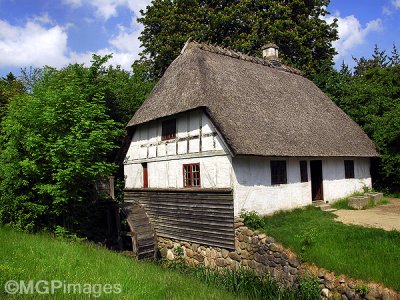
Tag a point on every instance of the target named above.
point(145, 176)
point(349, 168)
point(168, 130)
point(191, 175)
point(278, 172)
point(303, 171)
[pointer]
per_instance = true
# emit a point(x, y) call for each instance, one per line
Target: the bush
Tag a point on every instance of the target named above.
point(252, 220)
point(54, 145)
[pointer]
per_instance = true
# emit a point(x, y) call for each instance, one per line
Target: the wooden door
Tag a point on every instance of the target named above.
point(145, 176)
point(316, 180)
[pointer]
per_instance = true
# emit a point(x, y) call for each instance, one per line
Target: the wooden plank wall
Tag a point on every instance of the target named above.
point(203, 216)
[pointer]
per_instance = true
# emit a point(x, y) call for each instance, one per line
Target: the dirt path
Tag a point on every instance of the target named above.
point(384, 216)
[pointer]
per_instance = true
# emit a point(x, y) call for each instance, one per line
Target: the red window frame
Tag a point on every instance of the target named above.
point(168, 129)
point(191, 175)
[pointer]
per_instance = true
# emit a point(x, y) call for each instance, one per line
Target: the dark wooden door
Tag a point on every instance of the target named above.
point(316, 180)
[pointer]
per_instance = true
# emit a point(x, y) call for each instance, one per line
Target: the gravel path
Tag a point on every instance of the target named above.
point(384, 216)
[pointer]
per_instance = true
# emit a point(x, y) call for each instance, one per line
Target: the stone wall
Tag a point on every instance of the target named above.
point(262, 254)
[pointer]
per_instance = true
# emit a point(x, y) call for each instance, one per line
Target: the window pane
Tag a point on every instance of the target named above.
point(278, 172)
point(349, 168)
point(168, 130)
point(191, 175)
point(303, 171)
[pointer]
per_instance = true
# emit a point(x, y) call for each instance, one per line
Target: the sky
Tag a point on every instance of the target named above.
point(57, 32)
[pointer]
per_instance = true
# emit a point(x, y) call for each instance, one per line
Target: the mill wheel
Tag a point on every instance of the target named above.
point(141, 231)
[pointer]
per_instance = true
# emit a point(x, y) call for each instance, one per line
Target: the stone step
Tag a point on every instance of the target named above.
point(326, 207)
point(330, 209)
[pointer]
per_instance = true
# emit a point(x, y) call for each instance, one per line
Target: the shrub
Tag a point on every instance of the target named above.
point(54, 144)
point(252, 220)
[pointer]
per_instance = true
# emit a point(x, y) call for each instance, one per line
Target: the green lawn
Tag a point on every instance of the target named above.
point(363, 253)
point(42, 257)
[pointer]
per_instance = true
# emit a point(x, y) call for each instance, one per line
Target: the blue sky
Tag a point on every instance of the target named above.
point(55, 33)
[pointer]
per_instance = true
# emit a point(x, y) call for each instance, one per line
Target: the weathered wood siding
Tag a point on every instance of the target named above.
point(204, 216)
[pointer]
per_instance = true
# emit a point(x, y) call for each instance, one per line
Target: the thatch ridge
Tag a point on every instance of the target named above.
point(235, 54)
point(260, 109)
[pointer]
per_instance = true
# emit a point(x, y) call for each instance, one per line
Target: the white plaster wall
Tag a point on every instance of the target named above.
point(335, 186)
point(253, 190)
point(215, 172)
point(195, 135)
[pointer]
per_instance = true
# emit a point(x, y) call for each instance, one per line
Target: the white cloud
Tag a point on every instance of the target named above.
point(108, 8)
point(127, 38)
point(32, 45)
point(352, 33)
point(40, 42)
point(73, 3)
point(125, 47)
point(396, 3)
point(43, 19)
point(124, 59)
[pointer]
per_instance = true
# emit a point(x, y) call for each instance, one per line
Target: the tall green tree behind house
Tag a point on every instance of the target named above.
point(298, 27)
point(54, 144)
point(10, 87)
point(371, 97)
point(124, 91)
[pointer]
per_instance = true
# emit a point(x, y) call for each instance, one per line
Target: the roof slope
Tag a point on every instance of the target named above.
point(259, 109)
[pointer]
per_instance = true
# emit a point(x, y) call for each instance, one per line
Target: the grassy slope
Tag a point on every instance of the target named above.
point(40, 257)
point(364, 253)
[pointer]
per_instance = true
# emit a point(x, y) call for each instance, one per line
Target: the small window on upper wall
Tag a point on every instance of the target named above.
point(168, 131)
point(278, 172)
point(191, 175)
point(349, 168)
point(303, 171)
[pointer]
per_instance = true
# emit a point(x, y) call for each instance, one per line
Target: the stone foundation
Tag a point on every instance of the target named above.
point(262, 254)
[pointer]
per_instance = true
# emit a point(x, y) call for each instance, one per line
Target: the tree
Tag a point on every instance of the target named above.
point(125, 92)
point(9, 88)
point(54, 145)
point(371, 97)
point(378, 60)
point(304, 37)
point(395, 57)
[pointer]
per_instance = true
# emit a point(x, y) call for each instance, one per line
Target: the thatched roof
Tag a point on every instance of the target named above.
point(259, 107)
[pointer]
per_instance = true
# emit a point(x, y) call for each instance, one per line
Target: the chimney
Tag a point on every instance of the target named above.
point(270, 52)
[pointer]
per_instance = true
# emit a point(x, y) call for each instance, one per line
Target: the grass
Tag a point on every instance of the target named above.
point(42, 257)
point(344, 203)
point(363, 253)
point(246, 282)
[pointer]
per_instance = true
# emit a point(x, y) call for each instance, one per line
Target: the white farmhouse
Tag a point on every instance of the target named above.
point(219, 119)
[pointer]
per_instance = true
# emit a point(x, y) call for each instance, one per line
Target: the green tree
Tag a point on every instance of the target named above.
point(125, 92)
point(371, 97)
point(9, 88)
point(54, 144)
point(304, 37)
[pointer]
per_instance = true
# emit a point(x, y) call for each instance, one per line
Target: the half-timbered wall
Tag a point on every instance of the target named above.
point(197, 141)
